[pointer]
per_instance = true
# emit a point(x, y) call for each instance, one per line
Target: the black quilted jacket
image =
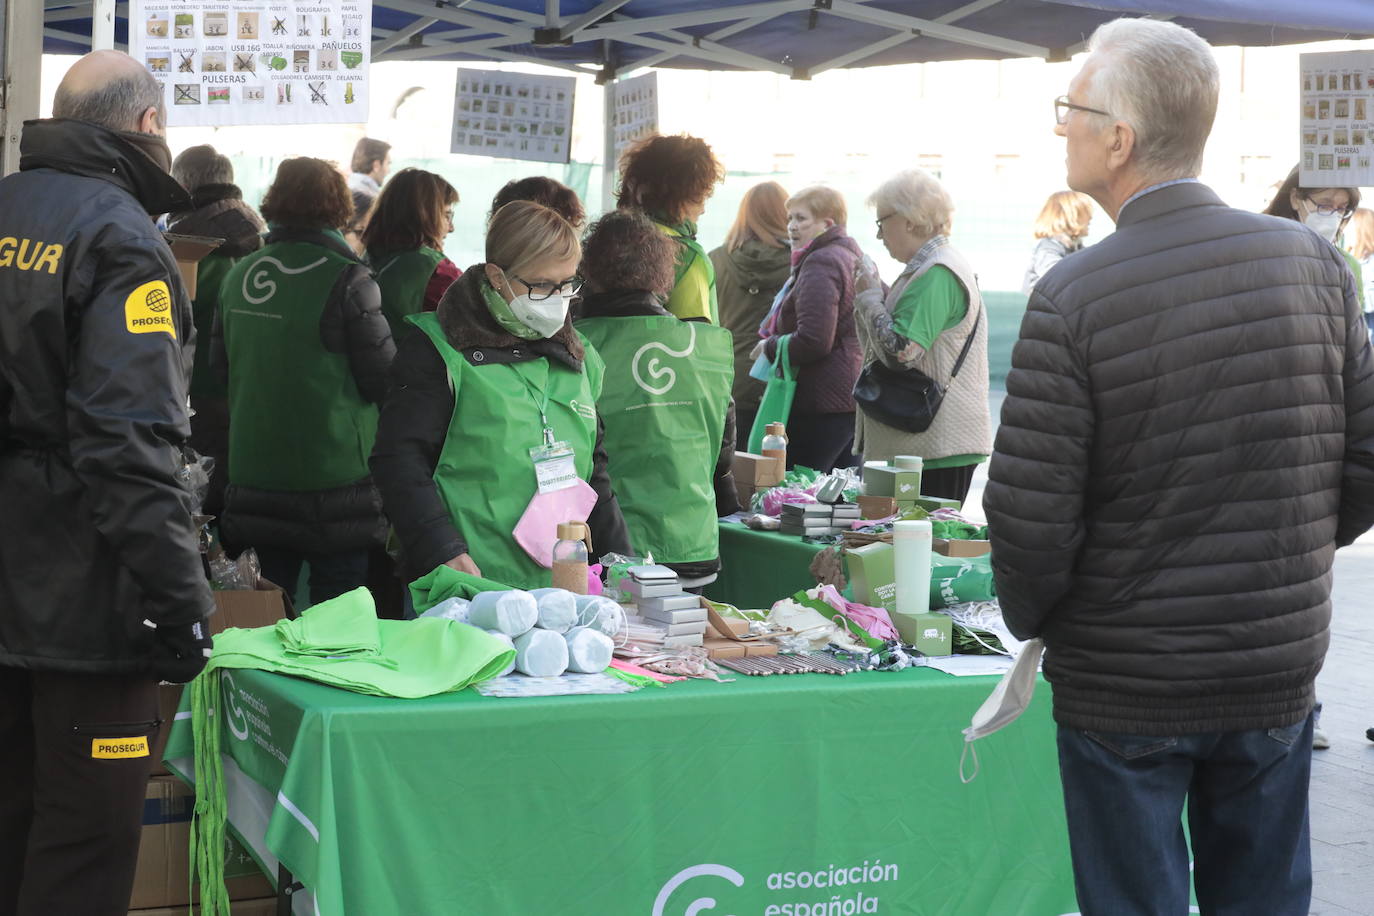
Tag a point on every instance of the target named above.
point(1187, 438)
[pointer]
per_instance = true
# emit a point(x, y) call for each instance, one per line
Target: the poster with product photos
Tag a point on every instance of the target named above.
point(513, 115)
point(1337, 124)
point(635, 113)
point(256, 61)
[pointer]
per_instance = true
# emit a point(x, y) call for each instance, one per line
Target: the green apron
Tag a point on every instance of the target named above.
point(694, 276)
point(210, 273)
point(403, 277)
point(663, 404)
point(297, 421)
point(485, 475)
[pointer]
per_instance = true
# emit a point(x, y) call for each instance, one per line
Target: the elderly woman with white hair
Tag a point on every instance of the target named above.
point(931, 322)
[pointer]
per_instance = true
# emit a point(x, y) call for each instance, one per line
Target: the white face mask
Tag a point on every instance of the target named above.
point(1324, 224)
point(1004, 705)
point(544, 317)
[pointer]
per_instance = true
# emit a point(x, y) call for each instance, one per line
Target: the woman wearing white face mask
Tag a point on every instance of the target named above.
point(1323, 210)
point(496, 395)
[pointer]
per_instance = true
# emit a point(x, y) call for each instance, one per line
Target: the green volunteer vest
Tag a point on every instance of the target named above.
point(694, 276)
point(296, 419)
point(210, 273)
point(484, 475)
point(663, 404)
point(403, 277)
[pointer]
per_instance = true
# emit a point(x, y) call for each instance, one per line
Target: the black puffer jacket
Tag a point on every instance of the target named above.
point(1188, 435)
point(218, 212)
point(342, 518)
point(415, 420)
point(95, 344)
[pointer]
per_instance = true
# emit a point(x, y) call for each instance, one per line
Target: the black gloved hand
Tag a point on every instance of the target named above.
point(182, 650)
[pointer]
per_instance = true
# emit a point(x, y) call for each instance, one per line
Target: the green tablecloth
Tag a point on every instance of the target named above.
point(795, 795)
point(759, 567)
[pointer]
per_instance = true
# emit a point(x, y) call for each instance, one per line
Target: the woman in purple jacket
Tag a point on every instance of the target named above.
point(817, 314)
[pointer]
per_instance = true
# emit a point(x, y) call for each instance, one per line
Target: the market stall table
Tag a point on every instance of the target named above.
point(772, 795)
point(759, 567)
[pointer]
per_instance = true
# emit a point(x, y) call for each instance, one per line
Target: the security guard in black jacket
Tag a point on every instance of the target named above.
point(102, 592)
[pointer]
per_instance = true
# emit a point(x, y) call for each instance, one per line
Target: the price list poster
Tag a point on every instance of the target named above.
point(635, 112)
point(1337, 119)
point(513, 115)
point(256, 61)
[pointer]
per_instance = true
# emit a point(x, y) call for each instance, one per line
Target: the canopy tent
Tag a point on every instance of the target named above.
point(798, 38)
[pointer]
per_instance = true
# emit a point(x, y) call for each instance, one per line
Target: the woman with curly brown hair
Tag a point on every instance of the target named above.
point(670, 179)
point(404, 239)
point(665, 398)
point(304, 347)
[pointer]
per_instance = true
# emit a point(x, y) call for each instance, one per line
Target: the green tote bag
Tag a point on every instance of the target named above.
point(776, 405)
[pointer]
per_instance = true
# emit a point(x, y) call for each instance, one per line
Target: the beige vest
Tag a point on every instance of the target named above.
point(962, 425)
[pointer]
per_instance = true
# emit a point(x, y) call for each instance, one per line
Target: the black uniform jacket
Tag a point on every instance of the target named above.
point(96, 340)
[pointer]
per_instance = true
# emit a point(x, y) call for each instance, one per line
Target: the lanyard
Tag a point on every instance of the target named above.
point(541, 406)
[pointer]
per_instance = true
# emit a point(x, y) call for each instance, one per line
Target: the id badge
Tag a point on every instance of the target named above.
point(554, 467)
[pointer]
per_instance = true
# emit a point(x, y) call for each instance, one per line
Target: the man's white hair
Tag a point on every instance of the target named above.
point(1163, 81)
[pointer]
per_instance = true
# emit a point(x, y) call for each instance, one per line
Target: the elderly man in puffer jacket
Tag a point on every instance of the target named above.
point(1188, 437)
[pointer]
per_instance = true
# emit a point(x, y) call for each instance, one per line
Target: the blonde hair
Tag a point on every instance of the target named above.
point(1360, 233)
point(523, 232)
point(762, 215)
point(823, 202)
point(1066, 213)
point(919, 198)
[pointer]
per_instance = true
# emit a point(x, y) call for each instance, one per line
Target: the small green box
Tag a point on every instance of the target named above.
point(900, 483)
point(873, 573)
point(931, 503)
point(931, 634)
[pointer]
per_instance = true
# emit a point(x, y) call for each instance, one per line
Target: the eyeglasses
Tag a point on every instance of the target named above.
point(883, 219)
point(541, 291)
point(1062, 107)
point(1327, 209)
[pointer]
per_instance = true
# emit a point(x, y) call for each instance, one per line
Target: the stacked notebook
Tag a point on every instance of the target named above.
point(818, 519)
point(661, 601)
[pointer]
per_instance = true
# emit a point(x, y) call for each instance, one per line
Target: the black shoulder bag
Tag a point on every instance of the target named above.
point(905, 399)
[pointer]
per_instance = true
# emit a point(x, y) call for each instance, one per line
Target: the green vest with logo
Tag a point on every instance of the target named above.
point(296, 419)
point(485, 475)
point(403, 277)
point(663, 405)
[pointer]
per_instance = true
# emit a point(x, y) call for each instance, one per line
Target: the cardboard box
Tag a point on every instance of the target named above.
point(955, 547)
point(734, 628)
point(931, 634)
point(754, 471)
point(260, 607)
point(729, 648)
point(189, 250)
point(877, 506)
point(873, 573)
point(262, 906)
point(163, 876)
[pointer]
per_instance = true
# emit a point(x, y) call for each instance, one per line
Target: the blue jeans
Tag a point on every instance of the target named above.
point(1247, 819)
point(330, 574)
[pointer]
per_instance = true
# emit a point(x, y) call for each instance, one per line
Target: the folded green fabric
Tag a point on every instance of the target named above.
point(412, 658)
point(958, 531)
point(343, 626)
point(445, 582)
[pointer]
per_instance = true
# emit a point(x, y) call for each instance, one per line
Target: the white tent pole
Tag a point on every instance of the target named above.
point(102, 25)
point(22, 59)
point(609, 144)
